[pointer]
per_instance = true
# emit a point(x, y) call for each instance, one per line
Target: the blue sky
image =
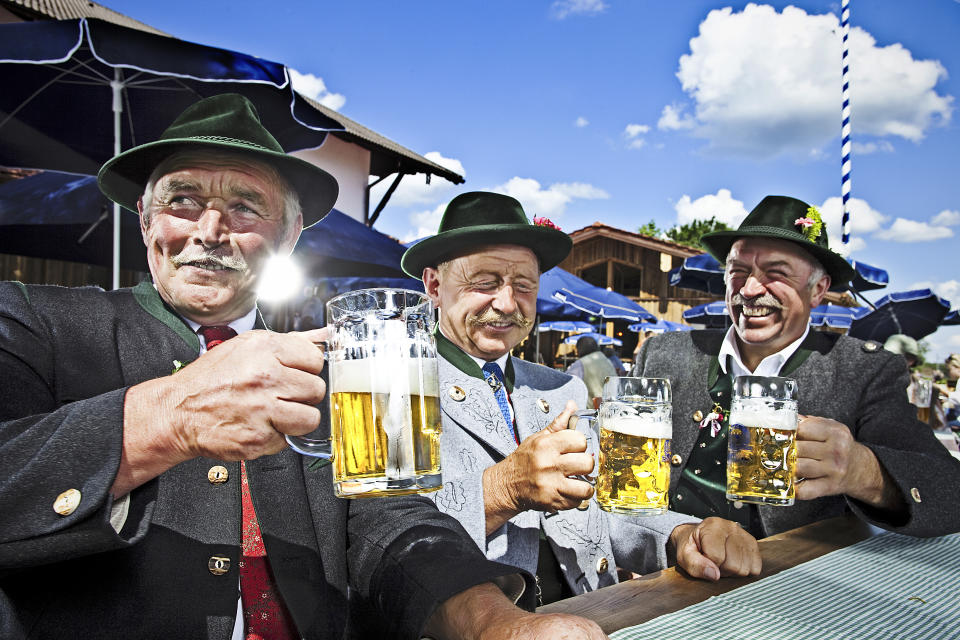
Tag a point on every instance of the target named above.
point(623, 111)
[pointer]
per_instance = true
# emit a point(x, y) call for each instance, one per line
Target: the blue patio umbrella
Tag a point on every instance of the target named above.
point(915, 313)
point(835, 316)
point(660, 326)
point(711, 314)
point(77, 92)
point(566, 326)
point(952, 318)
point(702, 272)
point(569, 290)
point(601, 339)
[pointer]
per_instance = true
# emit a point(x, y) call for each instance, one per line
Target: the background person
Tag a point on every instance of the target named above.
point(591, 366)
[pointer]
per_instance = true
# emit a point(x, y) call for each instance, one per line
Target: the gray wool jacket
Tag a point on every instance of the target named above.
point(853, 382)
point(588, 543)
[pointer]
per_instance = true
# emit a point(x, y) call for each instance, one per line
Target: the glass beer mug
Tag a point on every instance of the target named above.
point(635, 422)
point(762, 443)
point(384, 395)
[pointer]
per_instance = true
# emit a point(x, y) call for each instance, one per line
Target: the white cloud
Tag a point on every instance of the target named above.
point(581, 122)
point(314, 87)
point(637, 144)
point(948, 290)
point(721, 206)
point(864, 148)
point(904, 230)
point(563, 8)
point(634, 130)
point(764, 83)
point(426, 223)
point(946, 218)
point(673, 118)
point(551, 201)
point(413, 190)
point(863, 218)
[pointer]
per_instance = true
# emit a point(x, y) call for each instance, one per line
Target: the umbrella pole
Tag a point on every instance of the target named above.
point(116, 87)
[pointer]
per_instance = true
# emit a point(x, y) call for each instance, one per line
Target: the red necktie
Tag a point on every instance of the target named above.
point(264, 613)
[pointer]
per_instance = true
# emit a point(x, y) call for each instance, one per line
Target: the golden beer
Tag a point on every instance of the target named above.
point(634, 468)
point(923, 414)
point(385, 428)
point(762, 452)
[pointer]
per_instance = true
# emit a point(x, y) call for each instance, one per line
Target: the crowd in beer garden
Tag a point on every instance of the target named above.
point(183, 461)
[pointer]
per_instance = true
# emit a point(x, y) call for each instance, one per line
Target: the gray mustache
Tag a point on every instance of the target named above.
point(490, 316)
point(765, 300)
point(236, 263)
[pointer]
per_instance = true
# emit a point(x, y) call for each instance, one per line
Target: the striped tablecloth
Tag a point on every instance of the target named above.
point(890, 586)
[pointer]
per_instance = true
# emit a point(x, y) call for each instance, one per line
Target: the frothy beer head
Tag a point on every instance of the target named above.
point(371, 375)
point(647, 425)
point(759, 414)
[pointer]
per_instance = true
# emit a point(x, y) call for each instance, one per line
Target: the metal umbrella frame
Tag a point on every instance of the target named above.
point(65, 82)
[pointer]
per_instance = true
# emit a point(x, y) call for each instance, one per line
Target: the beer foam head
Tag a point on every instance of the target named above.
point(646, 425)
point(372, 375)
point(756, 413)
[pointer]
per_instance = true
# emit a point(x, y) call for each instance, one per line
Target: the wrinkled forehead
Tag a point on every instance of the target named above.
point(760, 251)
point(500, 259)
point(235, 169)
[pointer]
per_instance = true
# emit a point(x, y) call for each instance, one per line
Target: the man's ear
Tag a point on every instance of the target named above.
point(431, 285)
point(143, 222)
point(818, 290)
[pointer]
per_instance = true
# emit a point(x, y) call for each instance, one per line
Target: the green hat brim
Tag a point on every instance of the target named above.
point(718, 245)
point(550, 245)
point(123, 177)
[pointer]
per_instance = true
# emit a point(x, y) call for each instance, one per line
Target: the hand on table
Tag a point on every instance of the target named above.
point(537, 474)
point(714, 548)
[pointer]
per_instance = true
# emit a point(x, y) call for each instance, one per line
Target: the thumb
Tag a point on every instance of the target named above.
point(562, 421)
point(694, 562)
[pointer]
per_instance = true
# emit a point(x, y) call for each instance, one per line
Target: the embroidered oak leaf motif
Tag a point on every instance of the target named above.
point(468, 462)
point(452, 497)
point(485, 414)
point(580, 536)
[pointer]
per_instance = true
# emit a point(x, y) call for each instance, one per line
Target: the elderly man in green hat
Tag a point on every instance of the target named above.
point(860, 447)
point(147, 489)
point(510, 464)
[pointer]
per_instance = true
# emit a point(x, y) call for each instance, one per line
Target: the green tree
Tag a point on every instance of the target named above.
point(650, 229)
point(691, 232)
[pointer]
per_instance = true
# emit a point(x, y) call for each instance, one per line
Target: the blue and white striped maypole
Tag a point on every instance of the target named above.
point(845, 128)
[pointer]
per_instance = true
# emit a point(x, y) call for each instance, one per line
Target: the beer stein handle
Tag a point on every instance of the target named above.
point(310, 447)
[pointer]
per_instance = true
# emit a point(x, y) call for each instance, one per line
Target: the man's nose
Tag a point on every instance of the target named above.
point(503, 301)
point(752, 287)
point(212, 226)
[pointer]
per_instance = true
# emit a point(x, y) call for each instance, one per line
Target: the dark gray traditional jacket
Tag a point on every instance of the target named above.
point(848, 380)
point(67, 357)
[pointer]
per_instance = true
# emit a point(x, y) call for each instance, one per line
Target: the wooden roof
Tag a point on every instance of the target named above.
point(600, 230)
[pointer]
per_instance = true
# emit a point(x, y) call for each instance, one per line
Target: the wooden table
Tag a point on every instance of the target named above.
point(630, 603)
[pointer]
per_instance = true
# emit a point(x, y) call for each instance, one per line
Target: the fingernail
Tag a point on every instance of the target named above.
point(712, 573)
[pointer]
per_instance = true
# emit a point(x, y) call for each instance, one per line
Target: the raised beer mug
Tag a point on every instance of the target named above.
point(762, 441)
point(635, 423)
point(383, 393)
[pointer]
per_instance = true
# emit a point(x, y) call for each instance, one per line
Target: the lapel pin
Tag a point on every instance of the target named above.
point(457, 394)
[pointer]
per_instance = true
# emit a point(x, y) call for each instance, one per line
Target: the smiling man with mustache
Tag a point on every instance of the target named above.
point(860, 447)
point(513, 471)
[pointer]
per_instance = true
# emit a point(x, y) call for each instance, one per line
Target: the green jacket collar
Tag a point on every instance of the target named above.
point(458, 358)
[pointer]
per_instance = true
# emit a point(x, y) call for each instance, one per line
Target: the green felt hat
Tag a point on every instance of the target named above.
point(481, 218)
point(784, 218)
point(230, 123)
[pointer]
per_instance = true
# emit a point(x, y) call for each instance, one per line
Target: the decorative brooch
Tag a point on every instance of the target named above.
point(494, 383)
point(540, 221)
point(177, 365)
point(714, 420)
point(811, 226)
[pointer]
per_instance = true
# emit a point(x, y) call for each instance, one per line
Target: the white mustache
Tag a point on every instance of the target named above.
point(210, 260)
point(765, 300)
point(490, 316)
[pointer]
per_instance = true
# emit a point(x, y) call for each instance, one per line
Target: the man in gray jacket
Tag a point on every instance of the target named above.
point(860, 447)
point(509, 461)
